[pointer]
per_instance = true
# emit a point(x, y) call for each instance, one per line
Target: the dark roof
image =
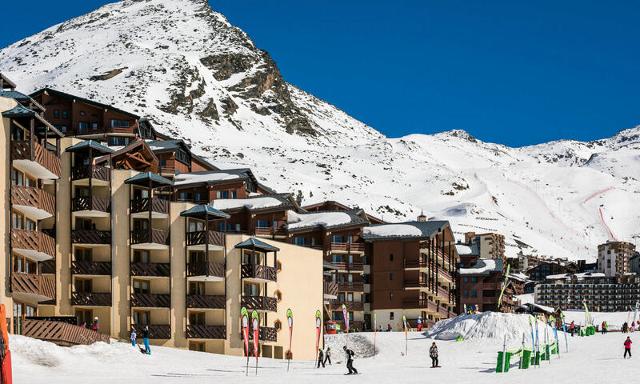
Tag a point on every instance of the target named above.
point(204, 211)
point(354, 216)
point(86, 144)
point(22, 98)
point(258, 245)
point(5, 79)
point(427, 230)
point(167, 145)
point(147, 179)
point(82, 99)
point(18, 111)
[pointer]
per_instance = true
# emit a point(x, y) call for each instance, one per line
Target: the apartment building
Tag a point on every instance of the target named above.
point(413, 268)
point(614, 257)
point(489, 245)
point(105, 224)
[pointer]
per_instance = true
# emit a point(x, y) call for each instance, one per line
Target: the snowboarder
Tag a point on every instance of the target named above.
point(320, 358)
point(572, 328)
point(350, 354)
point(133, 336)
point(145, 339)
point(627, 348)
point(433, 353)
point(327, 356)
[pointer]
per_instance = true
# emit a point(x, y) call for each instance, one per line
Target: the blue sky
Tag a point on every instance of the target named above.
point(513, 72)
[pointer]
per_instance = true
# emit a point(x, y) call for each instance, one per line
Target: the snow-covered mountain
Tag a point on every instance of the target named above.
point(199, 78)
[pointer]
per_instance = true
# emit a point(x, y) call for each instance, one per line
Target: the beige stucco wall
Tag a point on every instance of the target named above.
point(178, 274)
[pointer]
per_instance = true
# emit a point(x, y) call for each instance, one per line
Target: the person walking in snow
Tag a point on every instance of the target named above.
point(419, 324)
point(95, 326)
point(572, 328)
point(627, 347)
point(433, 353)
point(350, 354)
point(133, 337)
point(320, 358)
point(145, 339)
point(603, 327)
point(327, 356)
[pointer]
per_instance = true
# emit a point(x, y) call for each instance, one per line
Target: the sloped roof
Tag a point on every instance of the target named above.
point(259, 245)
point(18, 111)
point(214, 177)
point(204, 211)
point(483, 267)
point(82, 99)
point(298, 222)
point(20, 97)
point(167, 145)
point(255, 203)
point(85, 144)
point(406, 230)
point(146, 179)
point(6, 80)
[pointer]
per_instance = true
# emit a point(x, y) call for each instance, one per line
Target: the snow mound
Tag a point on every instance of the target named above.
point(359, 343)
point(488, 325)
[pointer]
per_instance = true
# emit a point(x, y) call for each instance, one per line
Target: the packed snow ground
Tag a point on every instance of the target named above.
point(595, 359)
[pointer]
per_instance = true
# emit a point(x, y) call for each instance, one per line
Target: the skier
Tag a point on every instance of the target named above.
point(433, 353)
point(145, 339)
point(350, 354)
point(419, 324)
point(625, 327)
point(95, 326)
point(327, 356)
point(320, 358)
point(572, 328)
point(133, 337)
point(627, 347)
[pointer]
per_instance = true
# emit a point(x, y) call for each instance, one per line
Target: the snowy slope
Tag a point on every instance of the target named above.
point(199, 78)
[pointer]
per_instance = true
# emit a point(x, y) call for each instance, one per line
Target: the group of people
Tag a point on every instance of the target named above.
point(324, 357)
point(94, 326)
point(145, 339)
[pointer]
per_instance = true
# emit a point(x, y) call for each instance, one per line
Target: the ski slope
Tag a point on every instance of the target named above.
point(596, 359)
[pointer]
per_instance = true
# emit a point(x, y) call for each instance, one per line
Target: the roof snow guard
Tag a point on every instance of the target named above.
point(204, 212)
point(148, 179)
point(255, 244)
point(89, 144)
point(406, 230)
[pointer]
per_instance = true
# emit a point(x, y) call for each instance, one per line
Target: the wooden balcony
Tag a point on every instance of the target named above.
point(330, 288)
point(415, 284)
point(442, 292)
point(206, 271)
point(356, 286)
point(154, 204)
point(260, 303)
point(444, 276)
point(48, 267)
point(201, 237)
point(91, 172)
point(259, 272)
point(153, 238)
point(31, 157)
point(35, 245)
point(156, 332)
point(347, 247)
point(61, 333)
point(150, 300)
point(91, 299)
point(270, 231)
point(90, 236)
point(351, 305)
point(96, 204)
point(206, 301)
point(346, 266)
point(420, 304)
point(265, 334)
point(415, 263)
point(444, 313)
point(206, 332)
point(95, 268)
point(33, 287)
point(32, 201)
point(151, 269)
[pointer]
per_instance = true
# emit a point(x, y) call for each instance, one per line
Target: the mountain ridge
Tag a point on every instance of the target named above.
point(197, 77)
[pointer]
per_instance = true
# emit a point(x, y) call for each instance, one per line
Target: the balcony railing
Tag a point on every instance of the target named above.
point(35, 241)
point(60, 332)
point(205, 269)
point(206, 301)
point(150, 300)
point(353, 286)
point(443, 292)
point(263, 272)
point(415, 284)
point(156, 236)
point(346, 266)
point(351, 305)
point(206, 332)
point(151, 269)
point(265, 334)
point(33, 197)
point(158, 205)
point(415, 263)
point(33, 151)
point(39, 285)
point(90, 204)
point(91, 299)
point(155, 331)
point(271, 231)
point(101, 268)
point(201, 237)
point(330, 288)
point(90, 236)
point(420, 303)
point(260, 303)
point(445, 274)
point(347, 247)
point(91, 171)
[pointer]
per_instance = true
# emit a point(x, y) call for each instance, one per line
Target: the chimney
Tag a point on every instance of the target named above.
point(422, 218)
point(469, 236)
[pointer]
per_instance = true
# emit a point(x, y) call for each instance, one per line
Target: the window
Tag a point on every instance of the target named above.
point(196, 288)
point(337, 239)
point(142, 318)
point(83, 254)
point(94, 125)
point(196, 257)
point(84, 316)
point(83, 127)
point(391, 257)
point(65, 114)
point(141, 286)
point(119, 140)
point(182, 156)
point(56, 113)
point(83, 285)
point(261, 223)
point(391, 316)
point(390, 296)
point(196, 318)
point(222, 194)
point(119, 123)
point(184, 196)
point(234, 194)
point(299, 240)
point(474, 293)
point(163, 162)
point(141, 256)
